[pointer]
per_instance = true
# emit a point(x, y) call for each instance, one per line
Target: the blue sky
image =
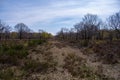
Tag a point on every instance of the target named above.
point(52, 15)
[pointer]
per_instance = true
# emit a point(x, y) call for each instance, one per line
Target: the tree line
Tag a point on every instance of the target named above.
point(91, 27)
point(22, 31)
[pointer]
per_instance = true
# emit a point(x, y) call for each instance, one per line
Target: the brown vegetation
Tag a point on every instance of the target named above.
point(88, 51)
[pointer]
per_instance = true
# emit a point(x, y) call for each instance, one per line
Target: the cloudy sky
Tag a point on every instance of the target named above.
point(51, 15)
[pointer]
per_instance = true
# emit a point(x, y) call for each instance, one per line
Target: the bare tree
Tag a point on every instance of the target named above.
point(21, 28)
point(88, 27)
point(40, 31)
point(79, 30)
point(91, 25)
point(114, 22)
point(64, 33)
point(7, 30)
point(1, 29)
point(72, 34)
point(29, 33)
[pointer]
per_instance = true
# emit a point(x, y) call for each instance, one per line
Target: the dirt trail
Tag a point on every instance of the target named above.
point(60, 50)
point(109, 70)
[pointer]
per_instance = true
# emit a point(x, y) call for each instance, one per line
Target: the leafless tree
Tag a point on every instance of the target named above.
point(22, 29)
point(114, 23)
point(40, 31)
point(91, 25)
point(72, 34)
point(7, 30)
point(88, 27)
point(64, 33)
point(1, 29)
point(79, 30)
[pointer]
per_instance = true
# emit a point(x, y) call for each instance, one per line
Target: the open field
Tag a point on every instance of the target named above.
point(56, 60)
point(59, 39)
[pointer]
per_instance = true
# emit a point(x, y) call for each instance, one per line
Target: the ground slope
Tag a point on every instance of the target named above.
point(72, 64)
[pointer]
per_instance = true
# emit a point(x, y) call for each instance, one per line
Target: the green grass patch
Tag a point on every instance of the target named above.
point(14, 50)
point(36, 42)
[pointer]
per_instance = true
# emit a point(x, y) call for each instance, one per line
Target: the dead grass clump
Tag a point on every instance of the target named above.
point(58, 76)
point(101, 74)
point(47, 64)
point(34, 66)
point(108, 53)
point(59, 45)
point(11, 73)
point(7, 74)
point(76, 66)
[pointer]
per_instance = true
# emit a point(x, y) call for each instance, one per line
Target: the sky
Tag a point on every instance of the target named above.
point(52, 15)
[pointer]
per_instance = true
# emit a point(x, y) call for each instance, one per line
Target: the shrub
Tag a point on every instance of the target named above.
point(107, 52)
point(14, 50)
point(35, 66)
point(84, 43)
point(78, 68)
point(73, 64)
point(11, 54)
point(12, 73)
point(7, 74)
point(36, 42)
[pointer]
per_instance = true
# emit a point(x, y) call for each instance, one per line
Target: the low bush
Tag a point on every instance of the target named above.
point(73, 64)
point(36, 42)
point(12, 54)
point(41, 67)
point(14, 50)
point(84, 43)
point(7, 75)
point(78, 68)
point(107, 52)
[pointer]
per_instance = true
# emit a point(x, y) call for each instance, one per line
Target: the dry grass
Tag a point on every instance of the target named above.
point(54, 61)
point(108, 52)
